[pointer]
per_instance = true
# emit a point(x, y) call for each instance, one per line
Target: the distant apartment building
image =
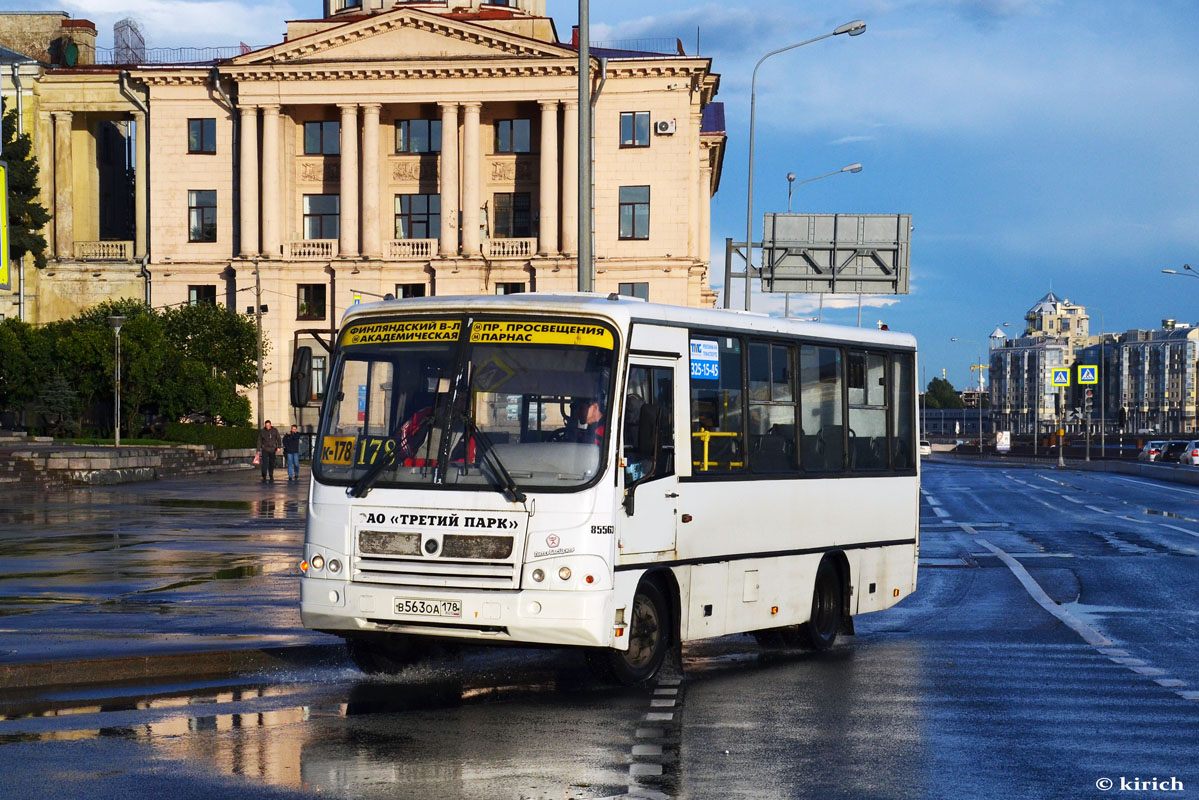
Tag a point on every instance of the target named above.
point(386, 148)
point(1147, 379)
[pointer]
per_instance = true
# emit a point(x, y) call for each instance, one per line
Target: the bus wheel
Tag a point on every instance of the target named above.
point(649, 638)
point(820, 631)
point(384, 654)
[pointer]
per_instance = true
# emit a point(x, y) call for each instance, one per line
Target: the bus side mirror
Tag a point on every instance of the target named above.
point(648, 453)
point(301, 377)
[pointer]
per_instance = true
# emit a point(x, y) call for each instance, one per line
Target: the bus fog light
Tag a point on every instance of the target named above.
point(538, 575)
point(334, 565)
point(334, 597)
point(534, 607)
point(318, 562)
point(564, 573)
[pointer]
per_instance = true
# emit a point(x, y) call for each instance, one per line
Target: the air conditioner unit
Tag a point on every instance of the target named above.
point(664, 127)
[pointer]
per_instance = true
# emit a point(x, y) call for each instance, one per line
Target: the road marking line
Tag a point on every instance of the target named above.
point(658, 716)
point(1114, 651)
point(1188, 694)
point(663, 703)
point(1137, 521)
point(645, 769)
point(1127, 661)
point(1167, 487)
point(647, 749)
point(1176, 528)
point(1073, 499)
point(1088, 634)
point(1148, 671)
point(1170, 683)
point(650, 733)
point(967, 529)
point(940, 512)
point(1100, 510)
point(932, 501)
point(666, 690)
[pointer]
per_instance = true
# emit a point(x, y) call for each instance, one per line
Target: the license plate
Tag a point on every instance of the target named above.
point(428, 608)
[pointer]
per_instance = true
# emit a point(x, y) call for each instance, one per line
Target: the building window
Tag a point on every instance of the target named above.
point(640, 290)
point(406, 290)
point(513, 135)
point(201, 215)
point(512, 287)
point(418, 136)
point(201, 135)
point(634, 212)
point(513, 216)
point(634, 129)
point(320, 370)
point(321, 213)
point(197, 295)
point(310, 301)
point(322, 138)
point(418, 216)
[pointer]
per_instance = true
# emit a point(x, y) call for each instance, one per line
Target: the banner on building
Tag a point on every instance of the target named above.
point(5, 268)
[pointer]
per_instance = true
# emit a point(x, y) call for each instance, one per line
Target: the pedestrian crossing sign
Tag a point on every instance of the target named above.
point(1087, 374)
point(1061, 377)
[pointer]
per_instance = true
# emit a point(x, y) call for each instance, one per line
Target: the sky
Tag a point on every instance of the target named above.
point(1037, 144)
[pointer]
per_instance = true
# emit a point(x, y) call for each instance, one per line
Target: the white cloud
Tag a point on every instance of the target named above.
point(191, 23)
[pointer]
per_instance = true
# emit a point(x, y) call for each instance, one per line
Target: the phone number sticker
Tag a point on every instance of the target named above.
point(705, 360)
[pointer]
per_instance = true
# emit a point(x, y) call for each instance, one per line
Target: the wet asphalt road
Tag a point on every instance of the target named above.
point(971, 688)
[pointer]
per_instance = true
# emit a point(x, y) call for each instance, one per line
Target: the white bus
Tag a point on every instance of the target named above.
point(608, 474)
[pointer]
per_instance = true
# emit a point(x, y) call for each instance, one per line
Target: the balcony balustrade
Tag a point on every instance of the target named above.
point(311, 249)
point(104, 251)
point(411, 249)
point(510, 248)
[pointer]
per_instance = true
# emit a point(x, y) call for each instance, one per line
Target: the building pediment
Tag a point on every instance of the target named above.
point(401, 35)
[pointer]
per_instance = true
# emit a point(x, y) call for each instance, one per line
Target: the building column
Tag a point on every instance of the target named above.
point(45, 161)
point(64, 209)
point(348, 223)
point(272, 245)
point(248, 184)
point(470, 179)
point(695, 192)
point(140, 184)
point(448, 246)
point(371, 244)
point(570, 177)
point(548, 188)
point(705, 208)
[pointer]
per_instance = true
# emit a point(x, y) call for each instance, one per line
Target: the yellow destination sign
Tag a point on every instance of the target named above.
point(541, 333)
point(401, 331)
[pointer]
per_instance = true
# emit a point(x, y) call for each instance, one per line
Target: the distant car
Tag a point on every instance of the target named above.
point(1190, 456)
point(1172, 452)
point(926, 449)
point(1152, 451)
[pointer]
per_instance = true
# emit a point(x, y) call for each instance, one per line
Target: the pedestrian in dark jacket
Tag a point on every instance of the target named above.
point(268, 445)
point(291, 453)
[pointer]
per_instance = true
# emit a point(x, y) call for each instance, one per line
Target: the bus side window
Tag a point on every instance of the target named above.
point(903, 409)
point(717, 413)
point(821, 427)
point(772, 408)
point(650, 389)
point(868, 449)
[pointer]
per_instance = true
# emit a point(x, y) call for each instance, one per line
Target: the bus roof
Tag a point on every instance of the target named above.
point(623, 311)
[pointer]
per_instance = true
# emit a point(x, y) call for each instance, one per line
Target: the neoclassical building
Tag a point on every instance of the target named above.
point(405, 148)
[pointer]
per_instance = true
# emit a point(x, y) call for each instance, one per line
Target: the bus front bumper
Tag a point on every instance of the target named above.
point(580, 618)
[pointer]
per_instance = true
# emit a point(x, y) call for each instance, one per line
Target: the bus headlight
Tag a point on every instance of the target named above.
point(318, 562)
point(334, 565)
point(564, 573)
point(538, 575)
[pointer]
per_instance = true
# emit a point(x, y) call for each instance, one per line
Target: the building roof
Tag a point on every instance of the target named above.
point(13, 57)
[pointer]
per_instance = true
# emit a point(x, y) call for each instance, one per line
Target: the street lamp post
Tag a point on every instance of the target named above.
point(116, 323)
point(791, 184)
point(853, 29)
point(980, 367)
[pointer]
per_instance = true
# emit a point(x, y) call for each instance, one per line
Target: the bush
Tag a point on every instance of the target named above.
point(221, 437)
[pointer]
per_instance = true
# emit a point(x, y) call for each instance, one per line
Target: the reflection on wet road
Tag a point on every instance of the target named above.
point(970, 688)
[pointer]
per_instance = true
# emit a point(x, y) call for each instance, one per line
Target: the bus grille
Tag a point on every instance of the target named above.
point(459, 561)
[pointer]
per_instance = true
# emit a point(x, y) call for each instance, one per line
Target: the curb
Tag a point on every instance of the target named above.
point(199, 664)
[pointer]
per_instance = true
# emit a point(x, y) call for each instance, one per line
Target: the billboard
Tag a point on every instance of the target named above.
point(836, 253)
point(5, 265)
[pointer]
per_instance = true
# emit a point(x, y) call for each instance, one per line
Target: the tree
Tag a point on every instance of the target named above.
point(26, 216)
point(941, 394)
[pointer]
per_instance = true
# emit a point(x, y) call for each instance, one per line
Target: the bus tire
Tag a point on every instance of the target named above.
point(820, 631)
point(649, 635)
point(384, 654)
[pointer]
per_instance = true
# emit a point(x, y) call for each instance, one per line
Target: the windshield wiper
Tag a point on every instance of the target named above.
point(508, 487)
point(363, 485)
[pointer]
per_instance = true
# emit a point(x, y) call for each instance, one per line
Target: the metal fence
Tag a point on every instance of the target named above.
point(169, 55)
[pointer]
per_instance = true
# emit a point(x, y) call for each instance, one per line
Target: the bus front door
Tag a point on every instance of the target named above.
point(648, 453)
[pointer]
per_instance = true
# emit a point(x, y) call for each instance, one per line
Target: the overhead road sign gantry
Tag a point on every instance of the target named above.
point(836, 253)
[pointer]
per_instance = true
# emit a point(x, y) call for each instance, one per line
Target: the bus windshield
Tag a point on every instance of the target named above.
point(508, 404)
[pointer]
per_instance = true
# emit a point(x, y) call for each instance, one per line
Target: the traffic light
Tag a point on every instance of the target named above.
point(1090, 401)
point(1123, 418)
point(1057, 403)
